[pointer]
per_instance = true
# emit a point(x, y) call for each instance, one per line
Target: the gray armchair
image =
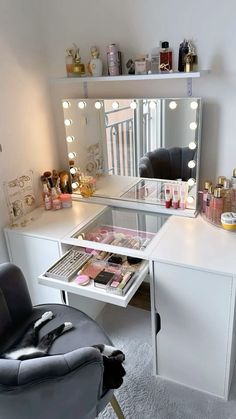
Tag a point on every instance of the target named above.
point(68, 385)
point(169, 163)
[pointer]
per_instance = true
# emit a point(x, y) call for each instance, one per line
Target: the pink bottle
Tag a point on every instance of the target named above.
point(218, 204)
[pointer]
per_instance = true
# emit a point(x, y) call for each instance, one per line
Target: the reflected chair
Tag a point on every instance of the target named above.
point(69, 385)
point(169, 163)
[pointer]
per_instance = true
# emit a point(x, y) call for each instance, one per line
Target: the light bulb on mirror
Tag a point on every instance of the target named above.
point(192, 145)
point(191, 164)
point(115, 105)
point(66, 104)
point(98, 105)
point(152, 104)
point(72, 155)
point(193, 126)
point(70, 138)
point(68, 122)
point(75, 185)
point(81, 104)
point(133, 105)
point(73, 170)
point(191, 182)
point(193, 105)
point(172, 105)
point(190, 199)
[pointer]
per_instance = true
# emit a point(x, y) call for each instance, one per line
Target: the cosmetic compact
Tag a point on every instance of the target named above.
point(228, 221)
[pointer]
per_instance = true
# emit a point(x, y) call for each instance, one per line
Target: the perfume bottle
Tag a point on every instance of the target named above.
point(69, 62)
point(114, 60)
point(78, 67)
point(191, 59)
point(95, 62)
point(183, 51)
point(165, 57)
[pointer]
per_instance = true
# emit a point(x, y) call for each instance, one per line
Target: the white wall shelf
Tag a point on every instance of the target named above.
point(127, 77)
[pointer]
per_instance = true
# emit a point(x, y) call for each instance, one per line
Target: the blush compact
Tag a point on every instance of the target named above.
point(82, 280)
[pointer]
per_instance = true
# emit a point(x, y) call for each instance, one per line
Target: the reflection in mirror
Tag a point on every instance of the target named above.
point(148, 138)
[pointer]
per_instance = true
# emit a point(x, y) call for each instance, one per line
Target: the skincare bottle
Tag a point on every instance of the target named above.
point(165, 57)
point(227, 196)
point(209, 203)
point(78, 67)
point(47, 197)
point(233, 191)
point(95, 62)
point(56, 202)
point(183, 194)
point(207, 184)
point(69, 62)
point(168, 196)
point(175, 197)
point(217, 205)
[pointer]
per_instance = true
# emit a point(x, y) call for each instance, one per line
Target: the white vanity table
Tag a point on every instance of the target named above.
point(193, 281)
point(192, 268)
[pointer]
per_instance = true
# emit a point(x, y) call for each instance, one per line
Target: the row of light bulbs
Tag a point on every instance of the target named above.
point(133, 105)
point(192, 125)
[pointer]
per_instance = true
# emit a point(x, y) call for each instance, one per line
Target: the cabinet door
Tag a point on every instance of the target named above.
point(33, 255)
point(193, 344)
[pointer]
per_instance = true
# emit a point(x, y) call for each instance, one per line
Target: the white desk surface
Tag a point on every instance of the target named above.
point(193, 242)
point(55, 225)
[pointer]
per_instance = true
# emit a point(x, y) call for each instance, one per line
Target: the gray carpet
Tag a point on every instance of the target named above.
point(144, 396)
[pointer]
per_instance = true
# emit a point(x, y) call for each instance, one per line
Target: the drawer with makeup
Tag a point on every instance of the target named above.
point(106, 258)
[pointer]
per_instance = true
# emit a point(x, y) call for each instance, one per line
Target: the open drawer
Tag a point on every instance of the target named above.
point(60, 277)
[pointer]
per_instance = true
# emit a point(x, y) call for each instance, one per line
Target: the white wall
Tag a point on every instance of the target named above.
point(27, 132)
point(138, 26)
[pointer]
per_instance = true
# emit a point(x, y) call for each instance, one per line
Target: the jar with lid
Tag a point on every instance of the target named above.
point(165, 57)
point(114, 60)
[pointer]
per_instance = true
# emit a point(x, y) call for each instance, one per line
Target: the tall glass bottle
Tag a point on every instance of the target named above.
point(207, 184)
point(227, 196)
point(165, 57)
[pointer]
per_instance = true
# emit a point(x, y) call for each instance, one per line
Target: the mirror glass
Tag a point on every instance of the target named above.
point(119, 141)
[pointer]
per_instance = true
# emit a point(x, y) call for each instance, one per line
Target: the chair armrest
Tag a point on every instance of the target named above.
point(70, 386)
point(15, 373)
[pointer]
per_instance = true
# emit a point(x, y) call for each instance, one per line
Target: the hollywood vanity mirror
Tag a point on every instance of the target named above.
point(134, 147)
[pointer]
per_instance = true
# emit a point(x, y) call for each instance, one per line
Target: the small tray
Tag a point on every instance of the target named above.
point(67, 267)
